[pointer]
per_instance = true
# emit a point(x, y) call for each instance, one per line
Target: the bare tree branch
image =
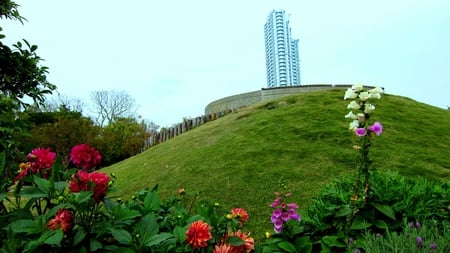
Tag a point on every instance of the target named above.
point(111, 105)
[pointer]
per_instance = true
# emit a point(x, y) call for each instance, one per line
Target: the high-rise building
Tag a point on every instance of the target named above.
point(282, 57)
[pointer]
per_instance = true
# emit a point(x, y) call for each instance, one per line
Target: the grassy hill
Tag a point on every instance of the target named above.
point(294, 144)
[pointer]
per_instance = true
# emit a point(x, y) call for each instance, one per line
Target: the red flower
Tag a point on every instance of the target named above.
point(24, 169)
point(41, 159)
point(240, 213)
point(222, 248)
point(94, 181)
point(198, 234)
point(63, 220)
point(85, 156)
point(249, 243)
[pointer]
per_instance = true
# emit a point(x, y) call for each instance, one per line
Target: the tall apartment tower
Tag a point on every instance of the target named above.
point(282, 57)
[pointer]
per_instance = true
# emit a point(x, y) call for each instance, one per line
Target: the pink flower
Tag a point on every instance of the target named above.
point(360, 131)
point(41, 159)
point(95, 181)
point(85, 156)
point(377, 128)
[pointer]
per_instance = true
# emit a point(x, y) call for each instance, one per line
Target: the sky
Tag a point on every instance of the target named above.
point(174, 57)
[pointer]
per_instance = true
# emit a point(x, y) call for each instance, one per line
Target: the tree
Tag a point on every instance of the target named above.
point(111, 105)
point(21, 76)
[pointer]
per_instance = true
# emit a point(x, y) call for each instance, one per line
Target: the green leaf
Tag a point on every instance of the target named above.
point(147, 226)
point(54, 237)
point(333, 241)
point(122, 236)
point(25, 226)
point(385, 209)
point(123, 250)
point(287, 246)
point(235, 241)
point(158, 239)
point(79, 236)
point(95, 245)
point(381, 224)
point(60, 186)
point(180, 234)
point(42, 184)
point(83, 196)
point(151, 201)
point(32, 192)
point(360, 223)
point(343, 211)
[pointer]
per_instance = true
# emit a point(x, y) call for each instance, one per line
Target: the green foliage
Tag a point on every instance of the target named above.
point(121, 139)
point(427, 237)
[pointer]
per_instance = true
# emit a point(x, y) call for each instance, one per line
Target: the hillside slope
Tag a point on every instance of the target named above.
point(297, 144)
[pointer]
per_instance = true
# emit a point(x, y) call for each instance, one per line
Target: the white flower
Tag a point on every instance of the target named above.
point(350, 93)
point(368, 108)
point(353, 125)
point(351, 115)
point(375, 95)
point(364, 95)
point(357, 87)
point(376, 90)
point(353, 105)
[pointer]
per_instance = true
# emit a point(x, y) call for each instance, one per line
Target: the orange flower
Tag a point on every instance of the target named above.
point(198, 234)
point(223, 248)
point(249, 243)
point(240, 213)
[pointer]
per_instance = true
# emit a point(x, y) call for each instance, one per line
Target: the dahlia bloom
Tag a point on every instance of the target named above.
point(41, 159)
point(63, 220)
point(85, 156)
point(249, 243)
point(222, 248)
point(239, 213)
point(94, 181)
point(198, 234)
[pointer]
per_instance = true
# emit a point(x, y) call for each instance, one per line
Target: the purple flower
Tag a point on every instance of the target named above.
point(350, 241)
point(292, 205)
point(419, 242)
point(285, 216)
point(356, 251)
point(418, 226)
point(433, 246)
point(361, 131)
point(278, 226)
point(411, 225)
point(378, 235)
point(377, 128)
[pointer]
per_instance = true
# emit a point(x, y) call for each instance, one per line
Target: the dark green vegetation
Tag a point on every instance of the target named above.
point(295, 144)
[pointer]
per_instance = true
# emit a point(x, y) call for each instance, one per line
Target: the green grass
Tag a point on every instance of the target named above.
point(294, 144)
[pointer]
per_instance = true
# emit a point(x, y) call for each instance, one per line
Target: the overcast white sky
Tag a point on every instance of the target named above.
point(175, 57)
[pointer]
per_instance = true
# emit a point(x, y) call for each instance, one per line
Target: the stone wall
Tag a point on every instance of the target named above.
point(245, 99)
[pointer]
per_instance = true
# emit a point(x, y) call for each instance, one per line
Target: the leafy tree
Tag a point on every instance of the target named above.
point(121, 139)
point(21, 77)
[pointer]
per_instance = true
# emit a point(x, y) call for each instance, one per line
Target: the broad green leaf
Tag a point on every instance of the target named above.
point(53, 237)
point(235, 241)
point(385, 209)
point(158, 239)
point(25, 226)
point(83, 196)
point(123, 250)
point(42, 184)
point(151, 201)
point(343, 211)
point(95, 245)
point(360, 223)
point(79, 236)
point(122, 236)
point(381, 224)
point(147, 226)
point(3, 196)
point(333, 241)
point(287, 247)
point(60, 186)
point(32, 192)
point(180, 234)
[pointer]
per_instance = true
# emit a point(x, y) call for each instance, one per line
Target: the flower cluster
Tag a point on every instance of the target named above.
point(40, 160)
point(361, 102)
point(94, 181)
point(283, 212)
point(64, 220)
point(85, 157)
